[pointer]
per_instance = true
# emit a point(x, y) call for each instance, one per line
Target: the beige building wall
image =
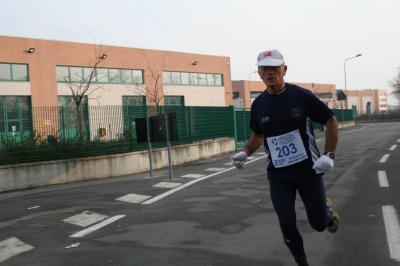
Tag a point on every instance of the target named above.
point(44, 89)
point(244, 88)
point(360, 98)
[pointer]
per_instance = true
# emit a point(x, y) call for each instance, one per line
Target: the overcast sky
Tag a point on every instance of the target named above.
point(314, 36)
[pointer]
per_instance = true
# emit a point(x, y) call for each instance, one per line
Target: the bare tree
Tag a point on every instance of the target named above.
point(154, 93)
point(395, 84)
point(82, 82)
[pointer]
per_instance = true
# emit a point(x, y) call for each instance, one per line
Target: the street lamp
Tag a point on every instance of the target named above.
point(345, 85)
point(249, 83)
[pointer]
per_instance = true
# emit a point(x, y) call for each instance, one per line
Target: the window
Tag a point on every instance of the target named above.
point(382, 105)
point(254, 94)
point(184, 78)
point(174, 101)
point(15, 114)
point(101, 75)
point(134, 100)
point(13, 72)
point(235, 95)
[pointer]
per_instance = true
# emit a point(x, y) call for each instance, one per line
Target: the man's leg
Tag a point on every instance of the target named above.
point(283, 196)
point(312, 192)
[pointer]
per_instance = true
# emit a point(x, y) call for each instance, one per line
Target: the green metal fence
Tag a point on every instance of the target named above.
point(343, 114)
point(70, 132)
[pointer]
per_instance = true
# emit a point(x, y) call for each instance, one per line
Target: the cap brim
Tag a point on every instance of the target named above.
point(270, 62)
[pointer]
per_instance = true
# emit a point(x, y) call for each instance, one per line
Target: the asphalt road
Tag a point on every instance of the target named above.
point(210, 214)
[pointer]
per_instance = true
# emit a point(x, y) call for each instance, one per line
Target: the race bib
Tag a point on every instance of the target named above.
point(287, 149)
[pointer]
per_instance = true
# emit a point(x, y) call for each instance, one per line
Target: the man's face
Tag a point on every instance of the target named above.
point(273, 76)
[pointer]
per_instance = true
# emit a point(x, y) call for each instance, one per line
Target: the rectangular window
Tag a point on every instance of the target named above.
point(114, 76)
point(210, 79)
point(174, 101)
point(134, 100)
point(202, 79)
point(175, 78)
point(102, 75)
point(126, 76)
point(218, 80)
point(194, 78)
point(15, 115)
point(166, 77)
point(62, 73)
point(14, 72)
point(137, 77)
point(5, 72)
point(184, 78)
point(99, 75)
point(254, 94)
point(76, 74)
point(20, 72)
point(235, 95)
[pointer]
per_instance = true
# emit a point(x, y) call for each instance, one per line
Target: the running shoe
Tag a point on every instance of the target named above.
point(333, 225)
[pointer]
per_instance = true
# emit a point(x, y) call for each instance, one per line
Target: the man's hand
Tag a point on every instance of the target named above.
point(238, 159)
point(324, 164)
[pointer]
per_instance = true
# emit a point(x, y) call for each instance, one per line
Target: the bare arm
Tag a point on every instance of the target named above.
point(255, 141)
point(331, 134)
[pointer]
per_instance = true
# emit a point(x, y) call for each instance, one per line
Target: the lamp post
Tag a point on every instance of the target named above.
point(249, 84)
point(345, 85)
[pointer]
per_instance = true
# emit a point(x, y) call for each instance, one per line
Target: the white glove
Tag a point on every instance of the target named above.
point(238, 159)
point(323, 164)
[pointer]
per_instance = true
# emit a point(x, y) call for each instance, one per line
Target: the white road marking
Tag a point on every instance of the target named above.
point(383, 182)
point(230, 163)
point(192, 176)
point(393, 147)
point(392, 231)
point(384, 158)
point(97, 226)
point(214, 169)
point(157, 198)
point(398, 140)
point(261, 153)
point(85, 218)
point(251, 158)
point(133, 198)
point(34, 207)
point(11, 247)
point(167, 184)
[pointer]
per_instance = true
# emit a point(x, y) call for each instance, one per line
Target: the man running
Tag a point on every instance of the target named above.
point(281, 119)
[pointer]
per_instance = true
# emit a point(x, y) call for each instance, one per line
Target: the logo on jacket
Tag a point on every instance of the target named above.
point(265, 119)
point(295, 112)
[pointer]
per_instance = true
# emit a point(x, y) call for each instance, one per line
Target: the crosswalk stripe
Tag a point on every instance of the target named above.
point(97, 226)
point(11, 247)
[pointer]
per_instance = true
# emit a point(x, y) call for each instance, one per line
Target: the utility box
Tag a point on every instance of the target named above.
point(102, 131)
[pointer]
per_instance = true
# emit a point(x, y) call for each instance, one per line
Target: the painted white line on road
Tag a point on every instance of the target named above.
point(97, 226)
point(392, 231)
point(393, 148)
point(230, 163)
point(85, 218)
point(251, 158)
point(192, 176)
point(34, 207)
point(167, 184)
point(384, 158)
point(383, 182)
point(11, 247)
point(133, 198)
point(157, 198)
point(214, 169)
point(398, 140)
point(263, 153)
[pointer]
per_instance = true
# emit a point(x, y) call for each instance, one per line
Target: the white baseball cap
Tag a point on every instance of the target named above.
point(270, 58)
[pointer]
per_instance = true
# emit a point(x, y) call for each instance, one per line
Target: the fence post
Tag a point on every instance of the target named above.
point(234, 126)
point(190, 123)
point(213, 122)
